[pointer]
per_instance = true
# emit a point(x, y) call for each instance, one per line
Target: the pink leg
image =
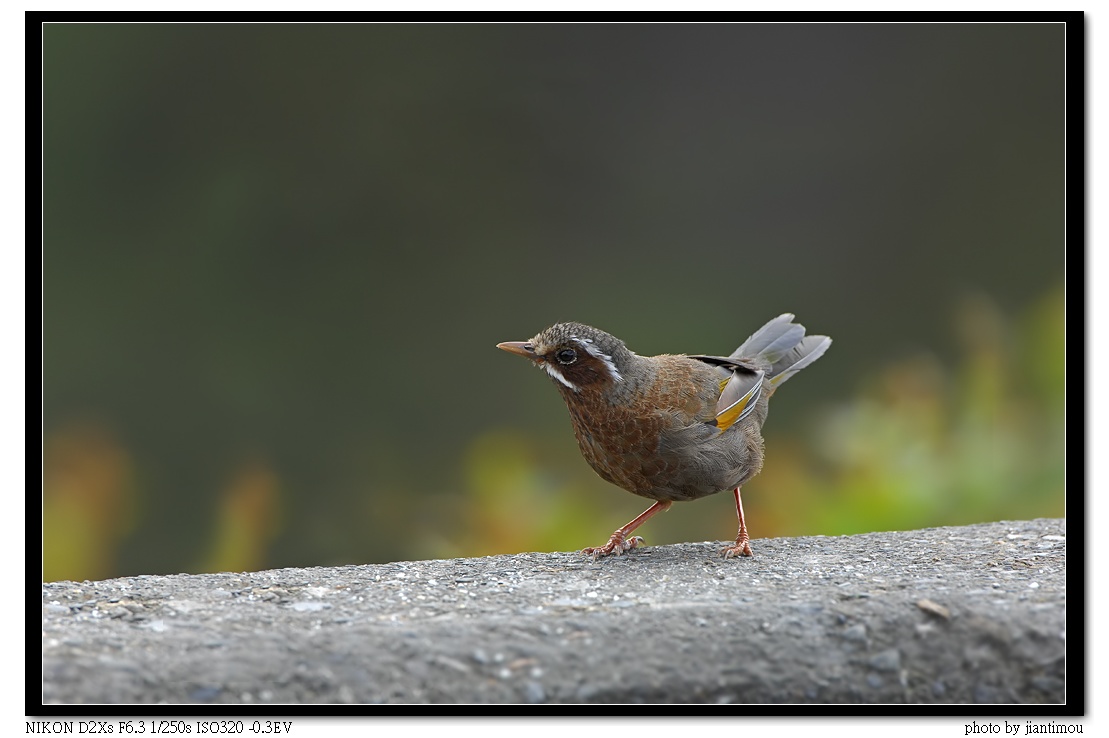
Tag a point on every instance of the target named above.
point(619, 542)
point(741, 547)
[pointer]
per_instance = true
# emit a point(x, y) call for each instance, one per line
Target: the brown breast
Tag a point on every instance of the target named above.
point(620, 439)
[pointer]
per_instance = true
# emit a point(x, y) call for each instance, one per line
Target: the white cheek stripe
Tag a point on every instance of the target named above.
point(594, 351)
point(558, 375)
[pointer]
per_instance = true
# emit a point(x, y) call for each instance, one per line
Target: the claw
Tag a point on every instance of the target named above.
point(616, 545)
point(741, 548)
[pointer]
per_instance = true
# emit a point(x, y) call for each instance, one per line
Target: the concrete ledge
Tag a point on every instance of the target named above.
point(952, 615)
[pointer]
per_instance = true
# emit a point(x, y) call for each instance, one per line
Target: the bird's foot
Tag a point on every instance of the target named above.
point(741, 548)
point(617, 544)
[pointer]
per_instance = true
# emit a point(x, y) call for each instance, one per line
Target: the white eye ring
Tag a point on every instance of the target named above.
point(566, 356)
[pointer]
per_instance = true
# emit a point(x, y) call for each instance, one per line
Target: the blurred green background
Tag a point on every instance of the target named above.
point(277, 259)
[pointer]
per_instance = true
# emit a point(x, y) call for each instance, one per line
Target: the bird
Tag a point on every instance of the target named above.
point(673, 427)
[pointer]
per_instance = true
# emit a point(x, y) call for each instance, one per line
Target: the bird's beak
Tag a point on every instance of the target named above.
point(520, 348)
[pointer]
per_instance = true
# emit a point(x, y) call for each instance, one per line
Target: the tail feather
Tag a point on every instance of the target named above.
point(778, 335)
point(783, 344)
point(806, 352)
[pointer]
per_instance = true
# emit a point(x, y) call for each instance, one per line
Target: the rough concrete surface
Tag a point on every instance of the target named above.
point(973, 614)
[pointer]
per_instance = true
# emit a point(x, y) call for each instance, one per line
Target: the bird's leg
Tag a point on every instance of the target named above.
point(619, 541)
point(741, 547)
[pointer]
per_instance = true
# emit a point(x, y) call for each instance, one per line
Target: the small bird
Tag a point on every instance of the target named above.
point(670, 427)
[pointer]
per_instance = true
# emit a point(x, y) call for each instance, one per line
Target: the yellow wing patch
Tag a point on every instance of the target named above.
point(742, 407)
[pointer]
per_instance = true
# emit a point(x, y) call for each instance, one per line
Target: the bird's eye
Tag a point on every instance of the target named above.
point(567, 356)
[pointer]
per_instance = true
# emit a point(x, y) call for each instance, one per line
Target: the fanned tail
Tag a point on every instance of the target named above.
point(783, 344)
point(809, 350)
point(772, 340)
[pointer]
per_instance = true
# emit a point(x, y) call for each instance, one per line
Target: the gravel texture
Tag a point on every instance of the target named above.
point(973, 614)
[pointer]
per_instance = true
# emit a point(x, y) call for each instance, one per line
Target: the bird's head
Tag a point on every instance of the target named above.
point(577, 357)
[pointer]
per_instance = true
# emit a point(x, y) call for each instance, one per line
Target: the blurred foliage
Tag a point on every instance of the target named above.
point(921, 445)
point(88, 502)
point(277, 258)
point(918, 444)
point(248, 518)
